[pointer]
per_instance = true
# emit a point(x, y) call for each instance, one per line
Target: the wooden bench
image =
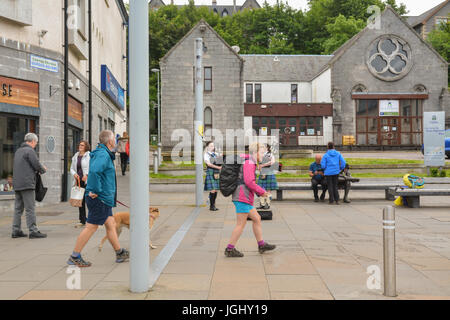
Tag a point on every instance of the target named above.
point(412, 196)
point(304, 186)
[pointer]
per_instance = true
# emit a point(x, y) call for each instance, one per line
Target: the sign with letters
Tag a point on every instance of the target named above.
point(111, 88)
point(434, 138)
point(19, 92)
point(389, 108)
point(44, 63)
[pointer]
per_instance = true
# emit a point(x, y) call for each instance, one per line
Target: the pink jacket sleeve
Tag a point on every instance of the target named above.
point(249, 178)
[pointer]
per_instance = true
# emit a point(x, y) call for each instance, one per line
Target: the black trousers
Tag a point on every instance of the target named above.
point(315, 186)
point(123, 162)
point(82, 209)
point(332, 182)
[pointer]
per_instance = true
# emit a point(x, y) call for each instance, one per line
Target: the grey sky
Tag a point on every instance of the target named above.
point(415, 7)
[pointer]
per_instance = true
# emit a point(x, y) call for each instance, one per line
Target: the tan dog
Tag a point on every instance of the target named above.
point(123, 220)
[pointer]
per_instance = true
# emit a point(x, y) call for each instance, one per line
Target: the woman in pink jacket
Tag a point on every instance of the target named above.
point(243, 198)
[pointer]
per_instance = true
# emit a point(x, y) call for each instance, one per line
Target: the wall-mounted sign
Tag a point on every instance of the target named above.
point(112, 88)
point(19, 92)
point(389, 108)
point(263, 131)
point(44, 63)
point(51, 144)
point(434, 138)
point(75, 109)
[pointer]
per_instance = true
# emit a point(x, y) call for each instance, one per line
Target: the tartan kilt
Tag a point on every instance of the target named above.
point(269, 183)
point(210, 182)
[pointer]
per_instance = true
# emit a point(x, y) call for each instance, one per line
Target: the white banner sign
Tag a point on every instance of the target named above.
point(44, 63)
point(389, 108)
point(434, 138)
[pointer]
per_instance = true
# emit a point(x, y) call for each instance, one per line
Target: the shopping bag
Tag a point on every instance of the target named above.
point(40, 190)
point(77, 195)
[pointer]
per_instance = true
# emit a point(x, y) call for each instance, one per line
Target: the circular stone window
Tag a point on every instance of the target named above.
point(389, 58)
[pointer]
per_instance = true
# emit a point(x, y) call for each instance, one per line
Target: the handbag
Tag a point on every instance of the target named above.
point(40, 189)
point(77, 195)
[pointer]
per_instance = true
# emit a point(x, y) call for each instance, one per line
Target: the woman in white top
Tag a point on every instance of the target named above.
point(80, 170)
point(212, 174)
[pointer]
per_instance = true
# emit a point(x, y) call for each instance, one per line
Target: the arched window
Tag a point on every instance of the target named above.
point(208, 120)
point(215, 10)
point(224, 13)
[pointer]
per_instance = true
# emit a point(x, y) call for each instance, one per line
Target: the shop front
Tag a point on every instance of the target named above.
point(389, 120)
point(19, 114)
point(298, 124)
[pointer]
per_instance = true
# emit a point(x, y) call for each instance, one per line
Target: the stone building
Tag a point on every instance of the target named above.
point(428, 20)
point(32, 71)
point(382, 80)
point(223, 10)
point(374, 88)
point(223, 85)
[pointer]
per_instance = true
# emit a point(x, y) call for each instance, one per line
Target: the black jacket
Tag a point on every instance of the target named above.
point(26, 164)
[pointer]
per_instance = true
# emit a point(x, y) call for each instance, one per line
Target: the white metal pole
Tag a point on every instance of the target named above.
point(390, 288)
point(198, 122)
point(159, 120)
point(139, 146)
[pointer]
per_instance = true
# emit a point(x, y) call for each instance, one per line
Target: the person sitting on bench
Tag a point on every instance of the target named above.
point(344, 182)
point(317, 177)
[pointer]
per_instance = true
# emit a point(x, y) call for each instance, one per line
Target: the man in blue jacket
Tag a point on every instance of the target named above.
point(332, 163)
point(101, 195)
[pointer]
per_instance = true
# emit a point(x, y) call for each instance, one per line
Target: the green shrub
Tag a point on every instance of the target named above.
point(443, 174)
point(434, 172)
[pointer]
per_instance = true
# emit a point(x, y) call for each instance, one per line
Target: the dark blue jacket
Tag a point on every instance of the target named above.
point(316, 167)
point(332, 163)
point(102, 175)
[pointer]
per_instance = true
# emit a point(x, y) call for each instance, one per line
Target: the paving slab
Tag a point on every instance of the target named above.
point(323, 252)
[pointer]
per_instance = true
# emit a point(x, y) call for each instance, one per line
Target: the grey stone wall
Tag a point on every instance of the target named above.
point(177, 85)
point(15, 63)
point(351, 69)
point(19, 11)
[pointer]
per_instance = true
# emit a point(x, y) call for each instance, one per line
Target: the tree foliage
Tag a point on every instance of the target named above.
point(439, 38)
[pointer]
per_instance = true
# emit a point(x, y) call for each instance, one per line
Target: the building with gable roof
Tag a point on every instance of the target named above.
point(428, 20)
point(223, 10)
point(374, 88)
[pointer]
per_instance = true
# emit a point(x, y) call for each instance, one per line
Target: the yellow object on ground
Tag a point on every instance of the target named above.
point(399, 201)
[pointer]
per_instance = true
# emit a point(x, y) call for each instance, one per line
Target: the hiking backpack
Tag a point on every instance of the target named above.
point(229, 174)
point(413, 181)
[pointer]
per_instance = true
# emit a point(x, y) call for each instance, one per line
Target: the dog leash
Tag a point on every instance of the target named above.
point(122, 204)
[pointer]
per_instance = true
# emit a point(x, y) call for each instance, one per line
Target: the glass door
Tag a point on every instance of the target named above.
point(389, 131)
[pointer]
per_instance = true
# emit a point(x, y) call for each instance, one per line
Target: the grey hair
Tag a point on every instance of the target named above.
point(30, 137)
point(105, 136)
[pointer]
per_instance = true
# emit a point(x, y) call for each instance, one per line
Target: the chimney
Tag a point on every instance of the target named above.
point(214, 3)
point(171, 2)
point(234, 5)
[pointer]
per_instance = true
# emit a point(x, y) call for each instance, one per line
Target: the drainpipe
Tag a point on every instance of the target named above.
point(90, 70)
point(66, 103)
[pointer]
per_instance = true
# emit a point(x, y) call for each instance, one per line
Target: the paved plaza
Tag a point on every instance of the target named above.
point(323, 252)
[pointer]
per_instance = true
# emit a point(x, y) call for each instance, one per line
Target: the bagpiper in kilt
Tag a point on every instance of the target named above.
point(212, 175)
point(267, 178)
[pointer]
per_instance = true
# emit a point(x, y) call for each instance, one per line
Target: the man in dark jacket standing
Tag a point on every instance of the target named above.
point(26, 165)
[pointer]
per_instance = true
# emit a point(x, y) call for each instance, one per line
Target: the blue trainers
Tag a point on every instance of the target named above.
point(122, 255)
point(78, 261)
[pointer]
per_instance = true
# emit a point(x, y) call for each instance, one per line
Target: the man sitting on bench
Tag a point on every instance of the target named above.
point(317, 177)
point(344, 182)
